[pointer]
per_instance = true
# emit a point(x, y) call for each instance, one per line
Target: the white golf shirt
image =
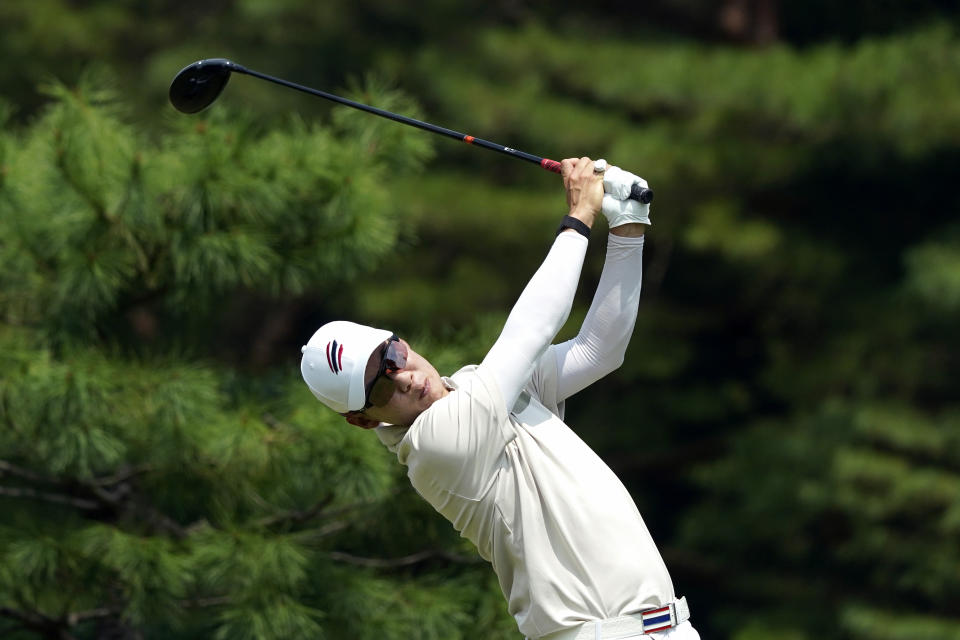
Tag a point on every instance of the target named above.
point(561, 531)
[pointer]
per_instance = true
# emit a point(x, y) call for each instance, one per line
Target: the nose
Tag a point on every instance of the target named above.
point(402, 379)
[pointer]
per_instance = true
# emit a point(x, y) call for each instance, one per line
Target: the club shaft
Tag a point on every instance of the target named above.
point(549, 165)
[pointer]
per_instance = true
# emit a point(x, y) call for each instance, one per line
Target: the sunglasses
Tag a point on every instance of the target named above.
point(393, 358)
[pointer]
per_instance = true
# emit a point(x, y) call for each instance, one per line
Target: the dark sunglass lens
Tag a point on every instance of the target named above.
point(382, 391)
point(395, 357)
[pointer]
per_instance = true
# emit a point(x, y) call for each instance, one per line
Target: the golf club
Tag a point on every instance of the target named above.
point(199, 84)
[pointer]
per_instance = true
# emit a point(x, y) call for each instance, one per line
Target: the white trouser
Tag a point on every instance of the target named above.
point(683, 631)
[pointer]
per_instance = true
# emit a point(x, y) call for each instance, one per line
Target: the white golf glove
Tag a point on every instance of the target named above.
point(617, 205)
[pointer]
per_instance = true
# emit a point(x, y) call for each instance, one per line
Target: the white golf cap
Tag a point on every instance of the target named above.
point(335, 360)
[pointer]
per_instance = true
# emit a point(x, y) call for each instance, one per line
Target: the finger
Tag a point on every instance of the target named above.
point(567, 165)
point(585, 166)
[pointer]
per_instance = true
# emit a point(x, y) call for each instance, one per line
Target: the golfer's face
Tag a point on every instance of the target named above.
point(415, 387)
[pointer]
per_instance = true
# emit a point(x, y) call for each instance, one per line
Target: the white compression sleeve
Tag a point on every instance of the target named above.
point(537, 316)
point(600, 346)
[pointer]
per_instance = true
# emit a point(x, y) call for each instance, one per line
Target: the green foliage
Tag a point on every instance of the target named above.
point(787, 414)
point(867, 623)
point(149, 488)
point(795, 346)
point(934, 274)
point(93, 222)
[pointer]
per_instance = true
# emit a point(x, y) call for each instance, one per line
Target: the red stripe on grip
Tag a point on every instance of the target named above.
point(550, 165)
point(468, 139)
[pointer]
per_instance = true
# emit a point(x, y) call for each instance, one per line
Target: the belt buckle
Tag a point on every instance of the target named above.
point(659, 619)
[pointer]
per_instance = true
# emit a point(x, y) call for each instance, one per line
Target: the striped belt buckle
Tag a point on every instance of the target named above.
point(665, 617)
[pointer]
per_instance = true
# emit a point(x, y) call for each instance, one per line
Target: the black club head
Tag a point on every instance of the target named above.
point(198, 85)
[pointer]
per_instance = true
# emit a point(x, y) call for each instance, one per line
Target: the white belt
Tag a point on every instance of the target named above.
point(645, 622)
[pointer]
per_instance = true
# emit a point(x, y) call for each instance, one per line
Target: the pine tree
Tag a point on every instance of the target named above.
point(786, 416)
point(151, 488)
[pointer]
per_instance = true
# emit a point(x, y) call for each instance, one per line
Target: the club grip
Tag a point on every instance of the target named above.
point(641, 194)
point(550, 165)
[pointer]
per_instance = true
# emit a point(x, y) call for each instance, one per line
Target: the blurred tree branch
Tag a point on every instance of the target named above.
point(403, 561)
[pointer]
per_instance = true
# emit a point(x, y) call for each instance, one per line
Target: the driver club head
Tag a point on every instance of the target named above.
point(198, 85)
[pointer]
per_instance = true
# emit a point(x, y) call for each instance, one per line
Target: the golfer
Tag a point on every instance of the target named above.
point(487, 447)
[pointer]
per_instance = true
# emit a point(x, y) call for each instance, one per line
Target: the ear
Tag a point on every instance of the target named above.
point(357, 419)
